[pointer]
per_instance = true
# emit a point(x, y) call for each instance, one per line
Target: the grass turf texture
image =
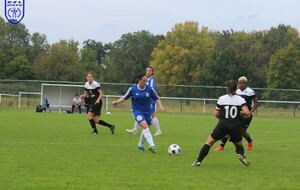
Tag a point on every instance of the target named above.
point(58, 151)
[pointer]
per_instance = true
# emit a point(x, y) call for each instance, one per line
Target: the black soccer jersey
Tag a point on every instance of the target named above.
point(248, 94)
point(92, 90)
point(230, 107)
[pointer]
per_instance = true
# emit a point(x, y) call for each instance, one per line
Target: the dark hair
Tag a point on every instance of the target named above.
point(139, 77)
point(231, 87)
point(90, 72)
point(151, 69)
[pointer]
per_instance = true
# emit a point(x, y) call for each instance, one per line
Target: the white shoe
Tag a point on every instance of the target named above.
point(132, 131)
point(158, 133)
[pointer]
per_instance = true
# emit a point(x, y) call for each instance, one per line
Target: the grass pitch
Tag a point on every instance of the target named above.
point(57, 151)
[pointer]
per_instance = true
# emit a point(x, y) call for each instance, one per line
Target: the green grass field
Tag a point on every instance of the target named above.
point(57, 151)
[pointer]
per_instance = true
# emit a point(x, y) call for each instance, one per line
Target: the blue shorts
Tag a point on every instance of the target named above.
point(142, 116)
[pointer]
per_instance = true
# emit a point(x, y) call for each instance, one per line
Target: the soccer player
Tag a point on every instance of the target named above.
point(230, 108)
point(141, 97)
point(249, 95)
point(94, 94)
point(152, 83)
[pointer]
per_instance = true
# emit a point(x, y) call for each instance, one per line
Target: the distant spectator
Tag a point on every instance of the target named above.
point(45, 105)
point(76, 103)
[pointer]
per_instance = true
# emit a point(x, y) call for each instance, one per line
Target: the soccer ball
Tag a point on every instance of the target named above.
point(108, 113)
point(174, 149)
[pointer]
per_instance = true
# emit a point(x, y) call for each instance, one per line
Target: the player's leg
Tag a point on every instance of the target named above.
point(135, 128)
point(239, 149)
point(218, 132)
point(236, 138)
point(156, 125)
point(148, 136)
point(141, 143)
point(90, 117)
point(97, 112)
point(222, 143)
point(79, 109)
point(204, 150)
point(245, 134)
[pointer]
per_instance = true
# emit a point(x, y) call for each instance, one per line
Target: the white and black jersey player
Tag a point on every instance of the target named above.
point(93, 94)
point(230, 109)
point(252, 103)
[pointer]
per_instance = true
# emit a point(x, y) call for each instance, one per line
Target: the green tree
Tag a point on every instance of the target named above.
point(60, 63)
point(129, 56)
point(180, 57)
point(14, 41)
point(20, 68)
point(284, 73)
point(39, 45)
point(230, 59)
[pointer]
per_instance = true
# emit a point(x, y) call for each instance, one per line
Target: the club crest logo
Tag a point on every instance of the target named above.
point(14, 11)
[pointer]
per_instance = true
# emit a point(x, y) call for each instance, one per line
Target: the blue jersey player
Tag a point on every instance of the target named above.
point(152, 83)
point(141, 97)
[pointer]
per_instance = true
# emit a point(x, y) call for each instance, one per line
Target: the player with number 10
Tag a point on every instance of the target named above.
point(230, 108)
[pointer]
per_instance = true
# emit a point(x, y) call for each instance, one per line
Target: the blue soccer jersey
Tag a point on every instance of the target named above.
point(151, 82)
point(141, 98)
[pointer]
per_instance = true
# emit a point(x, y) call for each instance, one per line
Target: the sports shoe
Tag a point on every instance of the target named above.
point(95, 132)
point(152, 149)
point(158, 133)
point(112, 129)
point(141, 148)
point(243, 160)
point(219, 148)
point(132, 131)
point(196, 164)
point(249, 147)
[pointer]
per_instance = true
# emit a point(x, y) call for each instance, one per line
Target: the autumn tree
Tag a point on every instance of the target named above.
point(180, 57)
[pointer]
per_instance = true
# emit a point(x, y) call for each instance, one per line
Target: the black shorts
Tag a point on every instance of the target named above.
point(221, 130)
point(246, 122)
point(95, 108)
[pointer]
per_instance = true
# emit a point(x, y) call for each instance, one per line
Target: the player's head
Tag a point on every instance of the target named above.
point(149, 71)
point(231, 87)
point(141, 80)
point(242, 83)
point(90, 77)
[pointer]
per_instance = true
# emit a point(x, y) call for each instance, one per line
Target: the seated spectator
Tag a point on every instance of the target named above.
point(45, 105)
point(76, 103)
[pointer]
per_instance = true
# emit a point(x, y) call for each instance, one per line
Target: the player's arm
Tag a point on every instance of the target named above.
point(217, 112)
point(84, 95)
point(100, 96)
point(119, 101)
point(245, 112)
point(255, 105)
point(160, 106)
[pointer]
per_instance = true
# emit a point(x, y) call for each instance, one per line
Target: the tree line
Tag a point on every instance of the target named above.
point(186, 55)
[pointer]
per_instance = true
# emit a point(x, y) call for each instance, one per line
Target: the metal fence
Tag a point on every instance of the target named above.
point(176, 98)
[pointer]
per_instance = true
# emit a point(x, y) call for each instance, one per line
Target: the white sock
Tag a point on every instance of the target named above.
point(148, 136)
point(136, 126)
point(142, 140)
point(156, 124)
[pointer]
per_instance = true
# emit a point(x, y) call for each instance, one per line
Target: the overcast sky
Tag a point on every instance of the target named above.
point(107, 20)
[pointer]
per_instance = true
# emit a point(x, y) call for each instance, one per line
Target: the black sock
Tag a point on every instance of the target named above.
point(223, 141)
point(93, 125)
point(239, 149)
point(203, 152)
point(101, 122)
point(249, 139)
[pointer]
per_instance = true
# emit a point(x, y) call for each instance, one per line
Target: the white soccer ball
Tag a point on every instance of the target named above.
point(174, 149)
point(108, 113)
